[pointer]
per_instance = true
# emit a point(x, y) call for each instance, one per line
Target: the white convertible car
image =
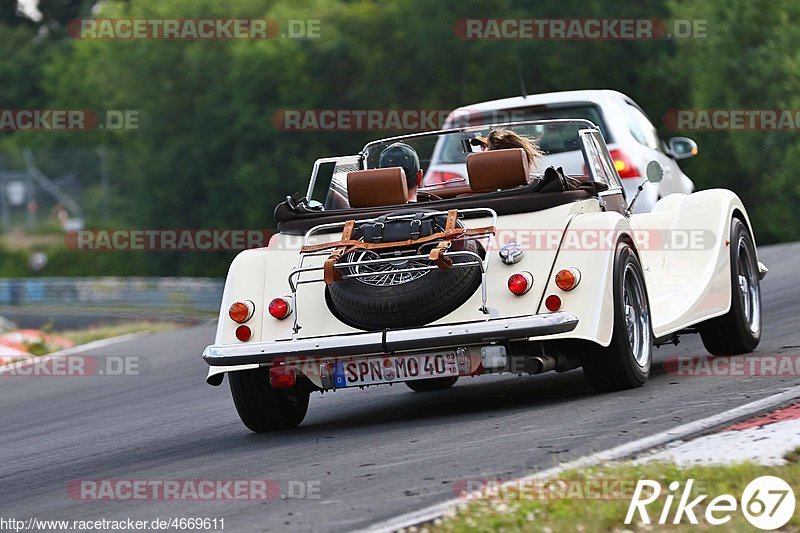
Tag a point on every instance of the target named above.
point(513, 272)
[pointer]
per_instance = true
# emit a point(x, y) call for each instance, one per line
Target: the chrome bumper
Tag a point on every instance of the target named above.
point(398, 340)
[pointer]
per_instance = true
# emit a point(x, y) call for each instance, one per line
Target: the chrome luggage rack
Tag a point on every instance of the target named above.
point(474, 259)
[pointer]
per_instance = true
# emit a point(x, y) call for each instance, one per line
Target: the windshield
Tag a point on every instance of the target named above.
point(449, 152)
point(550, 135)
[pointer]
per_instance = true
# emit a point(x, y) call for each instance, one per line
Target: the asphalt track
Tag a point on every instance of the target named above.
point(370, 454)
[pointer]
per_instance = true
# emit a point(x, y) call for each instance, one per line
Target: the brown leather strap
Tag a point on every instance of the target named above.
point(438, 257)
point(452, 218)
point(347, 231)
point(449, 235)
point(330, 274)
point(437, 254)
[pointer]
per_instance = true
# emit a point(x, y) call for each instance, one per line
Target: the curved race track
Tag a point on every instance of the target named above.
point(372, 454)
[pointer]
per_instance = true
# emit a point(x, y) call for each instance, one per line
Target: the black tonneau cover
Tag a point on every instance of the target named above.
point(521, 200)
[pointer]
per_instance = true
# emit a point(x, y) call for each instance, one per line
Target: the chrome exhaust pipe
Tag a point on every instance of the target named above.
point(539, 363)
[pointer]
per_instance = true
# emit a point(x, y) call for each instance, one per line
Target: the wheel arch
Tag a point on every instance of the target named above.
point(740, 213)
point(592, 300)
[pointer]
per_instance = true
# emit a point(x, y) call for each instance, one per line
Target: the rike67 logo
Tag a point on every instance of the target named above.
point(767, 502)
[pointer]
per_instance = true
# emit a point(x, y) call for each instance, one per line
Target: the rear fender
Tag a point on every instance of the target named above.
point(258, 275)
point(589, 245)
point(245, 281)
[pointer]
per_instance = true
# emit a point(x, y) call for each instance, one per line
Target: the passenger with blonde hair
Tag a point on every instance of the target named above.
point(501, 139)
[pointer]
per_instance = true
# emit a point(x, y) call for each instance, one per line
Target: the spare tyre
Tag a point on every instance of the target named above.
point(392, 298)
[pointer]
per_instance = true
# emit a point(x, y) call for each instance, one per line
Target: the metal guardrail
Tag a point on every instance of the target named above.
point(199, 295)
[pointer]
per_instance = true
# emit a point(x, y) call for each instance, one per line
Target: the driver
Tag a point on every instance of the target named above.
point(402, 155)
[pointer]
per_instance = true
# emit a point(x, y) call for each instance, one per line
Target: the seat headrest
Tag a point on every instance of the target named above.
point(377, 187)
point(497, 169)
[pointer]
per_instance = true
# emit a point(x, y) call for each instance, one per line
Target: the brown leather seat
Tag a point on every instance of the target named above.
point(377, 187)
point(497, 169)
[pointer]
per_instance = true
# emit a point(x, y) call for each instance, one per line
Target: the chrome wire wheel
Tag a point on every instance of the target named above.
point(748, 286)
point(385, 274)
point(637, 316)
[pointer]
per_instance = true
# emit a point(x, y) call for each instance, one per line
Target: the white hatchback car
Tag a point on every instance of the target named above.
point(630, 136)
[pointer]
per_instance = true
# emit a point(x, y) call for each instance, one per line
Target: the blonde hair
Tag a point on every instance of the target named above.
point(501, 139)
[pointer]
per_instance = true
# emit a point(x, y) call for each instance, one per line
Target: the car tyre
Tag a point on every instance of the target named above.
point(412, 304)
point(739, 330)
point(263, 408)
point(625, 362)
point(428, 385)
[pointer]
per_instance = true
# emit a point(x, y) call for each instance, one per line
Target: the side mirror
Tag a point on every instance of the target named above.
point(654, 171)
point(682, 147)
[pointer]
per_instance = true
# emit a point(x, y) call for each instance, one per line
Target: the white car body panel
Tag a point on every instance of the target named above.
point(691, 285)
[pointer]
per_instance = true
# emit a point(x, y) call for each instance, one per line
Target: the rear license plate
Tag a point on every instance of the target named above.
point(392, 368)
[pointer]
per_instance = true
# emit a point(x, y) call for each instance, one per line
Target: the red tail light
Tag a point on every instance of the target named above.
point(280, 308)
point(520, 283)
point(624, 165)
point(436, 177)
point(244, 333)
point(553, 303)
point(282, 377)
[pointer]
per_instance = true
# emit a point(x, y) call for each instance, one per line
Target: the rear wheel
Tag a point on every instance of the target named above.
point(625, 363)
point(427, 385)
point(263, 408)
point(739, 330)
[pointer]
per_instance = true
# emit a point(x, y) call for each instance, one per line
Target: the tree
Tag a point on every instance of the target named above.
point(749, 61)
